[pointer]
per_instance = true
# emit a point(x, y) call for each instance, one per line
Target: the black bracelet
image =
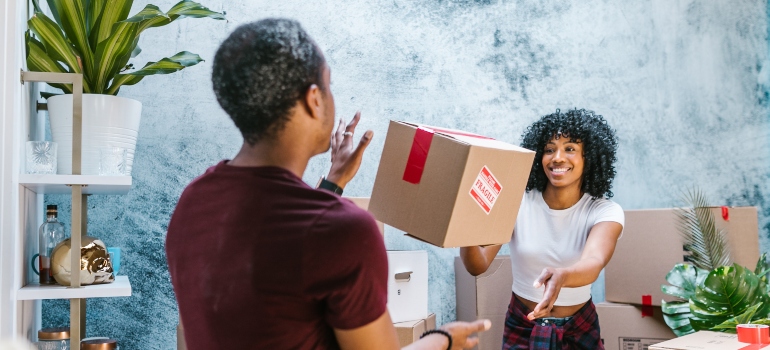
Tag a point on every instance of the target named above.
point(439, 331)
point(325, 184)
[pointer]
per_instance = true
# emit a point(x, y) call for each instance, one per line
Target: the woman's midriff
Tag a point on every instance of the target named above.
point(557, 311)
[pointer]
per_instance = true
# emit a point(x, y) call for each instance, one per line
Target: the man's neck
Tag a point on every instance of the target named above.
point(271, 153)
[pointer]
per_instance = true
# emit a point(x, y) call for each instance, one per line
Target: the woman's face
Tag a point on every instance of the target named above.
point(563, 162)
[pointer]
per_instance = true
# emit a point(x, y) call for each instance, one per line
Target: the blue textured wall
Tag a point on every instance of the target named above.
point(683, 82)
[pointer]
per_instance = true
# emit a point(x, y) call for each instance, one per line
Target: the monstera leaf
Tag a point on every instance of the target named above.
point(684, 280)
point(677, 316)
point(728, 292)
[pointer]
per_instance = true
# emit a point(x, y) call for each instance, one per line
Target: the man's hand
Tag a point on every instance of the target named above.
point(461, 332)
point(553, 279)
point(345, 158)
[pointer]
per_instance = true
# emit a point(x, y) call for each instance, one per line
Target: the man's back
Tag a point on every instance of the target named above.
point(260, 260)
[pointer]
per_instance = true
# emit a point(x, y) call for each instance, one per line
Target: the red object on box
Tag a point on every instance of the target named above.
point(647, 306)
point(753, 333)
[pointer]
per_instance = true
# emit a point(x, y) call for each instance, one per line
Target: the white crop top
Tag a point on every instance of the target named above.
point(544, 237)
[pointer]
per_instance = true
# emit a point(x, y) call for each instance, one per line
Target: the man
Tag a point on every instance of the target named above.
point(260, 260)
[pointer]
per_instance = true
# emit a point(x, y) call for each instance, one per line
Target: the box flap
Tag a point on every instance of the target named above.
point(470, 138)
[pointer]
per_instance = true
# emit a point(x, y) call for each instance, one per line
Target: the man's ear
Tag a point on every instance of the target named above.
point(313, 100)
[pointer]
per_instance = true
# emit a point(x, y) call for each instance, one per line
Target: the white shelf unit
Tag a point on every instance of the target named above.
point(62, 184)
point(31, 188)
point(121, 287)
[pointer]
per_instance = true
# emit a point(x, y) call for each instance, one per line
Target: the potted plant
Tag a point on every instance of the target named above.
point(715, 294)
point(97, 38)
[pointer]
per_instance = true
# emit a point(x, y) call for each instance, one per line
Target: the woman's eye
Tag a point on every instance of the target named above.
point(548, 150)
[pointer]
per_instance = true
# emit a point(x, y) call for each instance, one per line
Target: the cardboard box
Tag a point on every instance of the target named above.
point(410, 331)
point(624, 328)
point(706, 340)
point(651, 245)
point(363, 203)
point(407, 285)
point(449, 188)
point(485, 296)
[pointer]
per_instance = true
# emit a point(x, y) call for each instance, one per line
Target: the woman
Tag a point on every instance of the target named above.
point(565, 234)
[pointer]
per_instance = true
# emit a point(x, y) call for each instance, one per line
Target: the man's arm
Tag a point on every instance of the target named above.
point(381, 335)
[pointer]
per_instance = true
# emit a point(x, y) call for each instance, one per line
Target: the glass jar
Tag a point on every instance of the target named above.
point(51, 233)
point(57, 338)
point(99, 343)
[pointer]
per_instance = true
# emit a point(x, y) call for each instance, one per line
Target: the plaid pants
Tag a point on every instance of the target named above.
point(580, 332)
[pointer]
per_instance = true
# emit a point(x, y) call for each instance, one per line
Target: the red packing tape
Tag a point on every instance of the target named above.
point(647, 308)
point(753, 333)
point(415, 165)
point(725, 213)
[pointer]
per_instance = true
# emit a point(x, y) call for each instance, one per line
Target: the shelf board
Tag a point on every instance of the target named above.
point(34, 291)
point(60, 184)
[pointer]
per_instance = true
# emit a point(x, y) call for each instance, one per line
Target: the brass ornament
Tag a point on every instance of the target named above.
point(95, 264)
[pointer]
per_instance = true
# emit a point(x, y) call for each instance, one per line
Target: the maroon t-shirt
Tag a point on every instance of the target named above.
point(260, 260)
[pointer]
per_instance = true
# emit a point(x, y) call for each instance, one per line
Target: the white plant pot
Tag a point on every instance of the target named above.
point(108, 121)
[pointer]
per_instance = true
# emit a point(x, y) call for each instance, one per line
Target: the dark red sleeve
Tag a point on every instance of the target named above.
point(346, 267)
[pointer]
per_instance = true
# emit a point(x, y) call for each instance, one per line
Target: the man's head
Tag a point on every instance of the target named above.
point(267, 69)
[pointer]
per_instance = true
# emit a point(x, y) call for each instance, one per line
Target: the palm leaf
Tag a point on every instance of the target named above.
point(166, 65)
point(707, 244)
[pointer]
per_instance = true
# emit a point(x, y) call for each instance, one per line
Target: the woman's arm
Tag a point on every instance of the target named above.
point(597, 252)
point(477, 259)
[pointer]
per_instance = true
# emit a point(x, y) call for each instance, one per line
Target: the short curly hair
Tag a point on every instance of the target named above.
point(260, 72)
point(599, 148)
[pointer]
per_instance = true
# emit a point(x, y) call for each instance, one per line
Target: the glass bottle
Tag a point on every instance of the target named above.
point(51, 233)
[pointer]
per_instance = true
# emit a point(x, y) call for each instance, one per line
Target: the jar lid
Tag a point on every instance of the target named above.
point(99, 344)
point(55, 333)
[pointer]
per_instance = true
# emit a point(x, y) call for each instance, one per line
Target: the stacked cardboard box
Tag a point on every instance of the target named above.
point(650, 247)
point(410, 331)
point(485, 296)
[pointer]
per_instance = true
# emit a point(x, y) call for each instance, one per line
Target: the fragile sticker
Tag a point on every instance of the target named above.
point(486, 189)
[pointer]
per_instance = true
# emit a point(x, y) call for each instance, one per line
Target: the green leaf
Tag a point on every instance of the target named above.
point(150, 16)
point(56, 46)
point(46, 94)
point(728, 291)
point(763, 268)
point(102, 29)
point(93, 11)
point(707, 244)
point(39, 61)
point(72, 20)
point(744, 318)
point(684, 279)
point(193, 9)
point(677, 315)
point(166, 65)
point(136, 51)
point(110, 52)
